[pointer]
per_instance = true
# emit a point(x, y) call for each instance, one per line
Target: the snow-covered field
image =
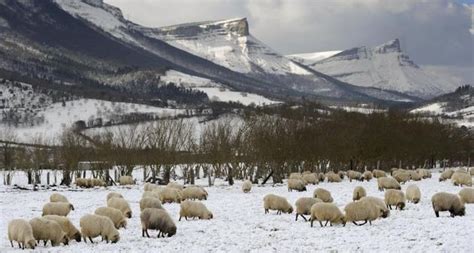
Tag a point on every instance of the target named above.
point(240, 225)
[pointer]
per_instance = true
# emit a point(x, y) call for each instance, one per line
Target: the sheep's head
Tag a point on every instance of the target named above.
point(71, 207)
point(458, 211)
point(115, 238)
point(171, 231)
point(128, 214)
point(384, 213)
point(289, 210)
point(304, 188)
point(343, 220)
point(123, 223)
point(31, 244)
point(65, 239)
point(401, 205)
point(77, 236)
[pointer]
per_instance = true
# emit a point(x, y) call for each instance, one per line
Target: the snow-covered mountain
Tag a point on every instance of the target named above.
point(387, 67)
point(311, 58)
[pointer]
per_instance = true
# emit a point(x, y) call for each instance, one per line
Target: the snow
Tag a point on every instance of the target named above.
point(435, 108)
point(240, 225)
point(179, 78)
point(225, 95)
point(311, 58)
point(361, 109)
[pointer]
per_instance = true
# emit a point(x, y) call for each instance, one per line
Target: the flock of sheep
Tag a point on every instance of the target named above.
point(367, 208)
point(54, 226)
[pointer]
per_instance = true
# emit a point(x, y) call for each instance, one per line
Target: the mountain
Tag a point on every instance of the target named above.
point(387, 67)
point(311, 58)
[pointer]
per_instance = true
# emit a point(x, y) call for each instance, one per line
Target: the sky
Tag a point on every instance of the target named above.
point(433, 32)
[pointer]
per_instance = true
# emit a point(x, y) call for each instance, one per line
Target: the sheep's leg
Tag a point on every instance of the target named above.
point(266, 211)
point(180, 218)
point(46, 242)
point(326, 223)
point(304, 217)
point(19, 245)
point(370, 222)
point(312, 222)
point(437, 213)
point(148, 235)
point(11, 243)
point(321, 224)
point(90, 239)
point(143, 232)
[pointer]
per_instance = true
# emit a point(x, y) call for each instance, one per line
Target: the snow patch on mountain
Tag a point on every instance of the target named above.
point(311, 58)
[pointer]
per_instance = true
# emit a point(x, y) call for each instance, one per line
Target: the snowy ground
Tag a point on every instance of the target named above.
point(240, 225)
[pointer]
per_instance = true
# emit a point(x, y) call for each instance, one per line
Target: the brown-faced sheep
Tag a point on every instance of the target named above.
point(56, 197)
point(327, 212)
point(321, 177)
point(296, 184)
point(415, 176)
point(333, 177)
point(424, 173)
point(120, 204)
point(57, 208)
point(150, 203)
point(379, 173)
point(461, 179)
point(354, 175)
point(93, 225)
point(170, 195)
point(114, 195)
point(362, 211)
point(83, 183)
point(395, 198)
point(278, 203)
point(341, 174)
point(323, 195)
point(379, 203)
point(48, 230)
point(413, 194)
point(157, 219)
point(247, 186)
point(115, 215)
point(358, 193)
point(387, 183)
point(467, 195)
point(303, 206)
point(367, 175)
point(194, 192)
point(126, 180)
point(401, 176)
point(445, 175)
point(194, 209)
point(20, 231)
point(443, 201)
point(310, 178)
point(66, 225)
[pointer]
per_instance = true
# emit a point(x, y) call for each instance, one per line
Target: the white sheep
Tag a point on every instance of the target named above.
point(446, 175)
point(296, 184)
point(57, 208)
point(303, 206)
point(379, 203)
point(333, 177)
point(171, 195)
point(443, 201)
point(20, 231)
point(323, 195)
point(467, 195)
point(310, 178)
point(93, 225)
point(247, 186)
point(194, 209)
point(278, 203)
point(157, 219)
point(151, 194)
point(114, 195)
point(115, 215)
point(126, 180)
point(66, 225)
point(461, 179)
point(362, 211)
point(387, 183)
point(97, 182)
point(122, 205)
point(424, 173)
point(358, 193)
point(354, 175)
point(367, 175)
point(296, 175)
point(415, 176)
point(48, 230)
point(150, 203)
point(401, 176)
point(194, 192)
point(150, 186)
point(395, 198)
point(379, 173)
point(83, 183)
point(328, 212)
point(56, 197)
point(175, 186)
point(413, 194)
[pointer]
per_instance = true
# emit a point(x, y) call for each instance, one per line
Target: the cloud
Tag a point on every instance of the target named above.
point(435, 32)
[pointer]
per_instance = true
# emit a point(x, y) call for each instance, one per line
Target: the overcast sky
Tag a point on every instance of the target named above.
point(432, 32)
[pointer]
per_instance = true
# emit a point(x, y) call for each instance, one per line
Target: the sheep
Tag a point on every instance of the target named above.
point(443, 201)
point(379, 203)
point(310, 178)
point(467, 195)
point(20, 231)
point(341, 174)
point(365, 211)
point(97, 182)
point(461, 179)
point(194, 192)
point(387, 183)
point(296, 184)
point(48, 230)
point(193, 209)
point(175, 186)
point(395, 198)
point(367, 175)
point(424, 173)
point(401, 176)
point(323, 195)
point(303, 206)
point(126, 180)
point(93, 225)
point(306, 172)
point(115, 215)
point(150, 203)
point(66, 225)
point(295, 175)
point(247, 186)
point(278, 203)
point(56, 197)
point(415, 176)
point(471, 171)
point(114, 195)
point(328, 212)
point(82, 182)
point(358, 193)
point(333, 177)
point(413, 194)
point(462, 170)
point(157, 219)
point(150, 187)
point(321, 177)
point(170, 195)
point(446, 175)
point(57, 208)
point(379, 173)
point(120, 204)
point(151, 194)
point(354, 175)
